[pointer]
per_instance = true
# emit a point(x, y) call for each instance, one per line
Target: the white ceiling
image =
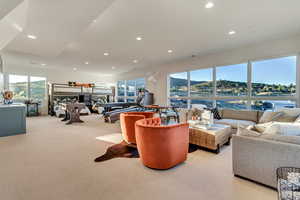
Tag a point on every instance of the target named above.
point(7, 6)
point(68, 36)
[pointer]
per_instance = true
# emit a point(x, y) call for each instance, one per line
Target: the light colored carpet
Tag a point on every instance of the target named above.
point(114, 138)
point(55, 162)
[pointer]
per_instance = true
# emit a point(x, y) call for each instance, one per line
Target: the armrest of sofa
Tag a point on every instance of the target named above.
point(257, 159)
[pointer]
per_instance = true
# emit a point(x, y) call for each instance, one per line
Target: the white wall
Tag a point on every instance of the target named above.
point(156, 76)
point(17, 64)
point(1, 77)
point(21, 64)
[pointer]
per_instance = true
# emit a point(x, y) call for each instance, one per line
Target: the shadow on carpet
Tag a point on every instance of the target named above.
point(124, 150)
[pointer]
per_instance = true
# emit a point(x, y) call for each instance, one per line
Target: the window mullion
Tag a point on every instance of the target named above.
point(298, 80)
point(189, 89)
point(28, 87)
point(249, 84)
point(125, 91)
point(214, 86)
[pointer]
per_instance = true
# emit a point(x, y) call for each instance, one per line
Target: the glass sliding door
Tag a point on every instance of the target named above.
point(130, 88)
point(38, 89)
point(18, 84)
point(121, 88)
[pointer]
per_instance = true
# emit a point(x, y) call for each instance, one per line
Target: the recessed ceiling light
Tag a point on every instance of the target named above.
point(33, 37)
point(43, 64)
point(232, 32)
point(135, 61)
point(209, 4)
point(170, 51)
point(139, 38)
point(106, 54)
point(113, 67)
point(94, 20)
point(86, 63)
point(74, 68)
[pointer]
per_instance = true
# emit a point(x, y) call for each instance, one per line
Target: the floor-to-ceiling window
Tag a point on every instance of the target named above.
point(127, 90)
point(201, 87)
point(38, 89)
point(261, 85)
point(274, 80)
point(232, 80)
point(179, 89)
point(18, 84)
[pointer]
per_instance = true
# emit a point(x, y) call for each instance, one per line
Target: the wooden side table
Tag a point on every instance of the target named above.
point(212, 138)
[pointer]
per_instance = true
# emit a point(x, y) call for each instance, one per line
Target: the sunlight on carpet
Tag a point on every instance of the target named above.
point(114, 138)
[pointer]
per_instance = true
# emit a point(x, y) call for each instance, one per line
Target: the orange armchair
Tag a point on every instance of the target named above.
point(161, 147)
point(127, 124)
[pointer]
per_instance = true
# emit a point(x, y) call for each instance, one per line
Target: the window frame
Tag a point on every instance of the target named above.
point(29, 76)
point(126, 97)
point(248, 97)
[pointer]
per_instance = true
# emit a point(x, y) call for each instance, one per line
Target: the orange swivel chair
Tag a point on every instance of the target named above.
point(161, 147)
point(127, 124)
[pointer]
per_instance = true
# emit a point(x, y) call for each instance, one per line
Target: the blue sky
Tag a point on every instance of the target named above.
point(274, 71)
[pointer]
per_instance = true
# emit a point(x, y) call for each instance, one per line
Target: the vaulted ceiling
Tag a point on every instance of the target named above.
point(72, 32)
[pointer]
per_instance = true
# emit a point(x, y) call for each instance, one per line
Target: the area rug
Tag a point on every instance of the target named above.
point(123, 149)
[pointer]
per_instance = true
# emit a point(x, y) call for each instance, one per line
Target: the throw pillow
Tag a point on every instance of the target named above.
point(269, 116)
point(216, 113)
point(295, 112)
point(297, 120)
point(242, 131)
point(287, 129)
point(262, 127)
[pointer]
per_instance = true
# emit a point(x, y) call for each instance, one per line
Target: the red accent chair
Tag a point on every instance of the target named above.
point(161, 147)
point(127, 124)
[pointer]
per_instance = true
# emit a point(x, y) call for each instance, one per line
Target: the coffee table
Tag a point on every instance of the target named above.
point(212, 138)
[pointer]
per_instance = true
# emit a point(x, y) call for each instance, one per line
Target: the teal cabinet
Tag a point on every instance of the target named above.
point(12, 119)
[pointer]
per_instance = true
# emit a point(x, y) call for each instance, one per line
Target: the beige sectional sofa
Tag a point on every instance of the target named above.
point(258, 158)
point(236, 118)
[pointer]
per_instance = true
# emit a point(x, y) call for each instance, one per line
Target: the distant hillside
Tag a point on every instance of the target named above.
point(225, 86)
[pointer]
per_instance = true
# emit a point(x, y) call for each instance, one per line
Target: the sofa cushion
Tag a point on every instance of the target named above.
point(281, 128)
point(269, 116)
point(262, 127)
point(241, 131)
point(240, 115)
point(216, 113)
point(289, 115)
point(297, 120)
point(235, 123)
point(291, 111)
point(282, 138)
